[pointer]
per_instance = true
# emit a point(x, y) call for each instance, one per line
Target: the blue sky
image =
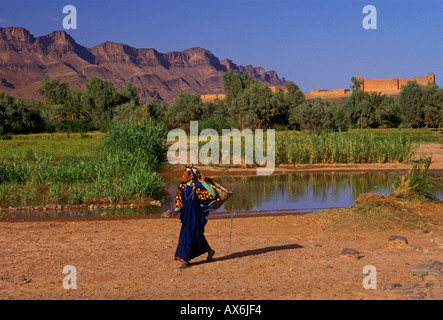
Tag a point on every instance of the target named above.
point(317, 44)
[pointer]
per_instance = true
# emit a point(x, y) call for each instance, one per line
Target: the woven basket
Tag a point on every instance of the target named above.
point(221, 192)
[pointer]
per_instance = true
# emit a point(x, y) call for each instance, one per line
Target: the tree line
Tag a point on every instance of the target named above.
point(249, 103)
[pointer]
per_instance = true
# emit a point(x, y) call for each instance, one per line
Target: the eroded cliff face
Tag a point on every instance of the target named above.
point(25, 61)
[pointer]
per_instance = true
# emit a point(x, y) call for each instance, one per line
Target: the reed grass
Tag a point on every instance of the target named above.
point(337, 147)
point(415, 183)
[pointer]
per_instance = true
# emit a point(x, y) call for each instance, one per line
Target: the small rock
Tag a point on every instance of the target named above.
point(349, 251)
point(434, 275)
point(51, 207)
point(392, 285)
point(396, 241)
point(167, 214)
point(392, 238)
point(436, 265)
point(103, 214)
point(421, 268)
point(421, 231)
point(409, 286)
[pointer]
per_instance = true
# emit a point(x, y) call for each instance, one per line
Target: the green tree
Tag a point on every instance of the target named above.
point(432, 99)
point(66, 103)
point(54, 91)
point(216, 116)
point(99, 100)
point(256, 105)
point(281, 109)
point(187, 107)
point(19, 116)
point(356, 84)
point(390, 114)
point(411, 104)
point(294, 96)
point(235, 84)
point(359, 110)
point(316, 116)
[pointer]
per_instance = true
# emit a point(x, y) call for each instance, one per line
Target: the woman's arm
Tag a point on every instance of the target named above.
point(207, 192)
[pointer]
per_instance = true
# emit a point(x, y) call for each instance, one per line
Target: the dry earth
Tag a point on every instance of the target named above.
point(269, 257)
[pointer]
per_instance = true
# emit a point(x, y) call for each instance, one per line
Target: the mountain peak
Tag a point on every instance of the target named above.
point(56, 37)
point(16, 34)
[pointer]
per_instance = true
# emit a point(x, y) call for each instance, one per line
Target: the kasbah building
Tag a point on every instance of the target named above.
point(385, 86)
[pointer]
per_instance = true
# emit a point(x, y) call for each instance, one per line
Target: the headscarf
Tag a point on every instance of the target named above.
point(193, 171)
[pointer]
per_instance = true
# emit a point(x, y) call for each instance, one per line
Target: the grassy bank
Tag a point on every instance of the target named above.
point(122, 166)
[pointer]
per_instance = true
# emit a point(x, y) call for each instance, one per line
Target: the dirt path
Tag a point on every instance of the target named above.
point(273, 257)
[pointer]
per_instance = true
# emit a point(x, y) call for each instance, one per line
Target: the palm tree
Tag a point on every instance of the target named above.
point(375, 99)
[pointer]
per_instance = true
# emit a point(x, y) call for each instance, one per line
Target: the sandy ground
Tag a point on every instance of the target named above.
point(265, 257)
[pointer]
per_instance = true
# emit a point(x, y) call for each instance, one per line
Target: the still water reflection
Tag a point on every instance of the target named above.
point(303, 192)
point(264, 195)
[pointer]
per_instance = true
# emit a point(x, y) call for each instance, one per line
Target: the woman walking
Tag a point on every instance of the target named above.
point(193, 200)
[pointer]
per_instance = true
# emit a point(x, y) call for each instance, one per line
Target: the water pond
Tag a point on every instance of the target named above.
point(291, 193)
point(305, 192)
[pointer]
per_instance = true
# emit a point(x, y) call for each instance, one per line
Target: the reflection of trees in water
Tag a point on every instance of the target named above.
point(254, 191)
point(257, 190)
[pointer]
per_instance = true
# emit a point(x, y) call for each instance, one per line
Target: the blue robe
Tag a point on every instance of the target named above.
point(193, 201)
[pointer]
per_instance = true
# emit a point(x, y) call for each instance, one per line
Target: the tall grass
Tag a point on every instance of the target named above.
point(334, 147)
point(416, 183)
point(337, 147)
point(123, 167)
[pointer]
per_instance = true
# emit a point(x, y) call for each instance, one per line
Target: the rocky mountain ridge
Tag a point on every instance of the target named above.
point(26, 60)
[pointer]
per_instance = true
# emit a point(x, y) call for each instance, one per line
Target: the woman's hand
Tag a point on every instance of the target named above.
point(202, 178)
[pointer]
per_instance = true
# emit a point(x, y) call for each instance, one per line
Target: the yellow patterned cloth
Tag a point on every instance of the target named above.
point(201, 193)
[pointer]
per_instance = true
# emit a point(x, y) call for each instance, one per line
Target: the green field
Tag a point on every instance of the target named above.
point(59, 146)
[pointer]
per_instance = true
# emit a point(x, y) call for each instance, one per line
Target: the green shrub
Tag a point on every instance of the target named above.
point(416, 182)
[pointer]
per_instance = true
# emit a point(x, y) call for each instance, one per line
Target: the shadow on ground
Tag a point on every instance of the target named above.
point(247, 253)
